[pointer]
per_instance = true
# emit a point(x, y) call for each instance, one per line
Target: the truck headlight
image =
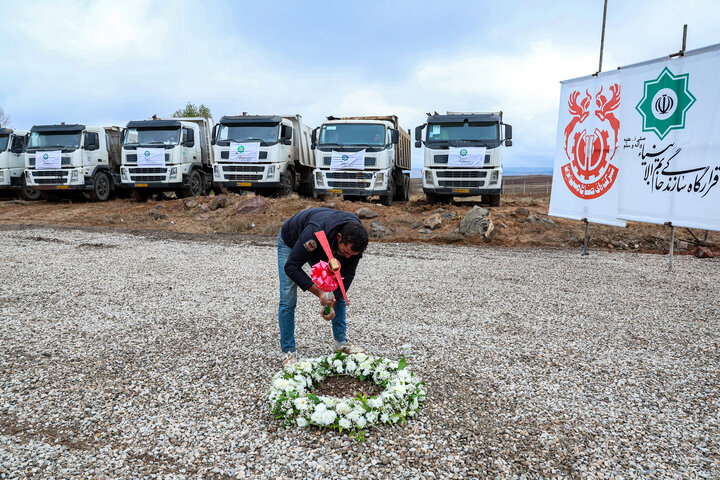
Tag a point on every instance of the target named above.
point(271, 170)
point(124, 173)
point(428, 176)
point(380, 178)
point(2, 176)
point(494, 177)
point(173, 172)
point(318, 179)
point(74, 176)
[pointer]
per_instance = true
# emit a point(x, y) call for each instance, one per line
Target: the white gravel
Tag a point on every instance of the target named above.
point(137, 357)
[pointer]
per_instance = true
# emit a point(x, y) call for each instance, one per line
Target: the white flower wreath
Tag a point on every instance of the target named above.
point(292, 400)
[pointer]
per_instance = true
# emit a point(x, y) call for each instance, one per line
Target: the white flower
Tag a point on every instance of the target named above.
point(317, 417)
point(350, 366)
point(384, 418)
point(400, 390)
point(301, 422)
point(361, 422)
point(371, 417)
point(345, 423)
point(375, 402)
point(304, 366)
point(330, 402)
point(328, 417)
point(342, 408)
point(280, 383)
point(360, 357)
point(302, 403)
point(338, 366)
point(354, 415)
point(384, 375)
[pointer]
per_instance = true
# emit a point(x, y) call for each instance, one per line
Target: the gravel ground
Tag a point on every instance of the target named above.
point(136, 357)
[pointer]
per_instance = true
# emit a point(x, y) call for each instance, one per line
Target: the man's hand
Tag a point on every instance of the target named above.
point(329, 316)
point(324, 301)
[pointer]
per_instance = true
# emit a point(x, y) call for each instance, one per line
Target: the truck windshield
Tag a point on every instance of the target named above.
point(266, 134)
point(3, 142)
point(449, 132)
point(152, 136)
point(54, 140)
point(371, 134)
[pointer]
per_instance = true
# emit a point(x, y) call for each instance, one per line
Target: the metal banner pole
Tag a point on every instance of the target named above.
point(672, 245)
point(585, 250)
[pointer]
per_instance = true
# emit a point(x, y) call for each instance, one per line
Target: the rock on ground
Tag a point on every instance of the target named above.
point(475, 222)
point(252, 206)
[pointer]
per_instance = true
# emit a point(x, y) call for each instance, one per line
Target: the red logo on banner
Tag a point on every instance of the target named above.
point(589, 173)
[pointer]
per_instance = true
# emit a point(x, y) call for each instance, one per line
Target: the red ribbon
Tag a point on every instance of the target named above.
point(323, 277)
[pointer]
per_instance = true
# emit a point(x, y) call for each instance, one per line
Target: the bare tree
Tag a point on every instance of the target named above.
point(4, 118)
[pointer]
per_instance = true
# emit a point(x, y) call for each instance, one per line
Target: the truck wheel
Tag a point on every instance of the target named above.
point(495, 200)
point(287, 184)
point(196, 188)
point(27, 192)
point(388, 199)
point(140, 195)
point(101, 188)
point(406, 188)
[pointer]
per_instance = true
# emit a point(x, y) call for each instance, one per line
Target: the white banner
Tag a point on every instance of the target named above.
point(347, 160)
point(466, 157)
point(640, 143)
point(151, 157)
point(48, 160)
point(244, 152)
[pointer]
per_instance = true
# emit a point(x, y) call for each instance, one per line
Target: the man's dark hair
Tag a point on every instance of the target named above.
point(355, 234)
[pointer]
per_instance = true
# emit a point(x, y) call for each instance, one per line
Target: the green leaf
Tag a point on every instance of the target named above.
point(402, 363)
point(314, 398)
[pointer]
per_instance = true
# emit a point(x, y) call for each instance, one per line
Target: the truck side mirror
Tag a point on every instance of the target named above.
point(418, 135)
point(214, 133)
point(286, 135)
point(395, 137)
point(92, 141)
point(190, 139)
point(508, 135)
point(313, 139)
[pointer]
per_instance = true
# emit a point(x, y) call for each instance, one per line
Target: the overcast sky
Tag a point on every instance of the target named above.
point(105, 63)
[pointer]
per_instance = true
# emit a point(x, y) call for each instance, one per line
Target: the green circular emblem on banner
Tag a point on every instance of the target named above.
point(147, 153)
point(45, 157)
point(240, 149)
point(665, 103)
point(344, 158)
point(463, 152)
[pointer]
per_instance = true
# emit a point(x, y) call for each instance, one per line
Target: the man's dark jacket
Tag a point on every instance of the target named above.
point(298, 233)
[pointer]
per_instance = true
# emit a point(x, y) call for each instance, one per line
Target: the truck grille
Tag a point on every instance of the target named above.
point(148, 174)
point(242, 178)
point(461, 183)
point(243, 168)
point(132, 157)
point(369, 161)
point(225, 155)
point(348, 179)
point(443, 159)
point(50, 177)
point(63, 161)
point(461, 173)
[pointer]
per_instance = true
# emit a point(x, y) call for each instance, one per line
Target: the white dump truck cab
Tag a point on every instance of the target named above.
point(65, 157)
point(463, 155)
point(167, 155)
point(363, 157)
point(263, 153)
point(13, 144)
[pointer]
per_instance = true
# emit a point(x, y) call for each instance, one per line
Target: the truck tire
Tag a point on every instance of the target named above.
point(101, 188)
point(388, 199)
point(288, 185)
point(495, 200)
point(196, 187)
point(140, 195)
point(27, 192)
point(406, 188)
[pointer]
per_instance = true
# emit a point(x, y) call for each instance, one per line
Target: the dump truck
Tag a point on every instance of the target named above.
point(463, 156)
point(263, 153)
point(63, 157)
point(162, 155)
point(13, 144)
point(360, 157)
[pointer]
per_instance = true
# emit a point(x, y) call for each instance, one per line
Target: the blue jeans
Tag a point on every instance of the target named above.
point(288, 300)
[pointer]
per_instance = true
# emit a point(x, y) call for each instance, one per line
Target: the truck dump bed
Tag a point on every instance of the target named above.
point(114, 135)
